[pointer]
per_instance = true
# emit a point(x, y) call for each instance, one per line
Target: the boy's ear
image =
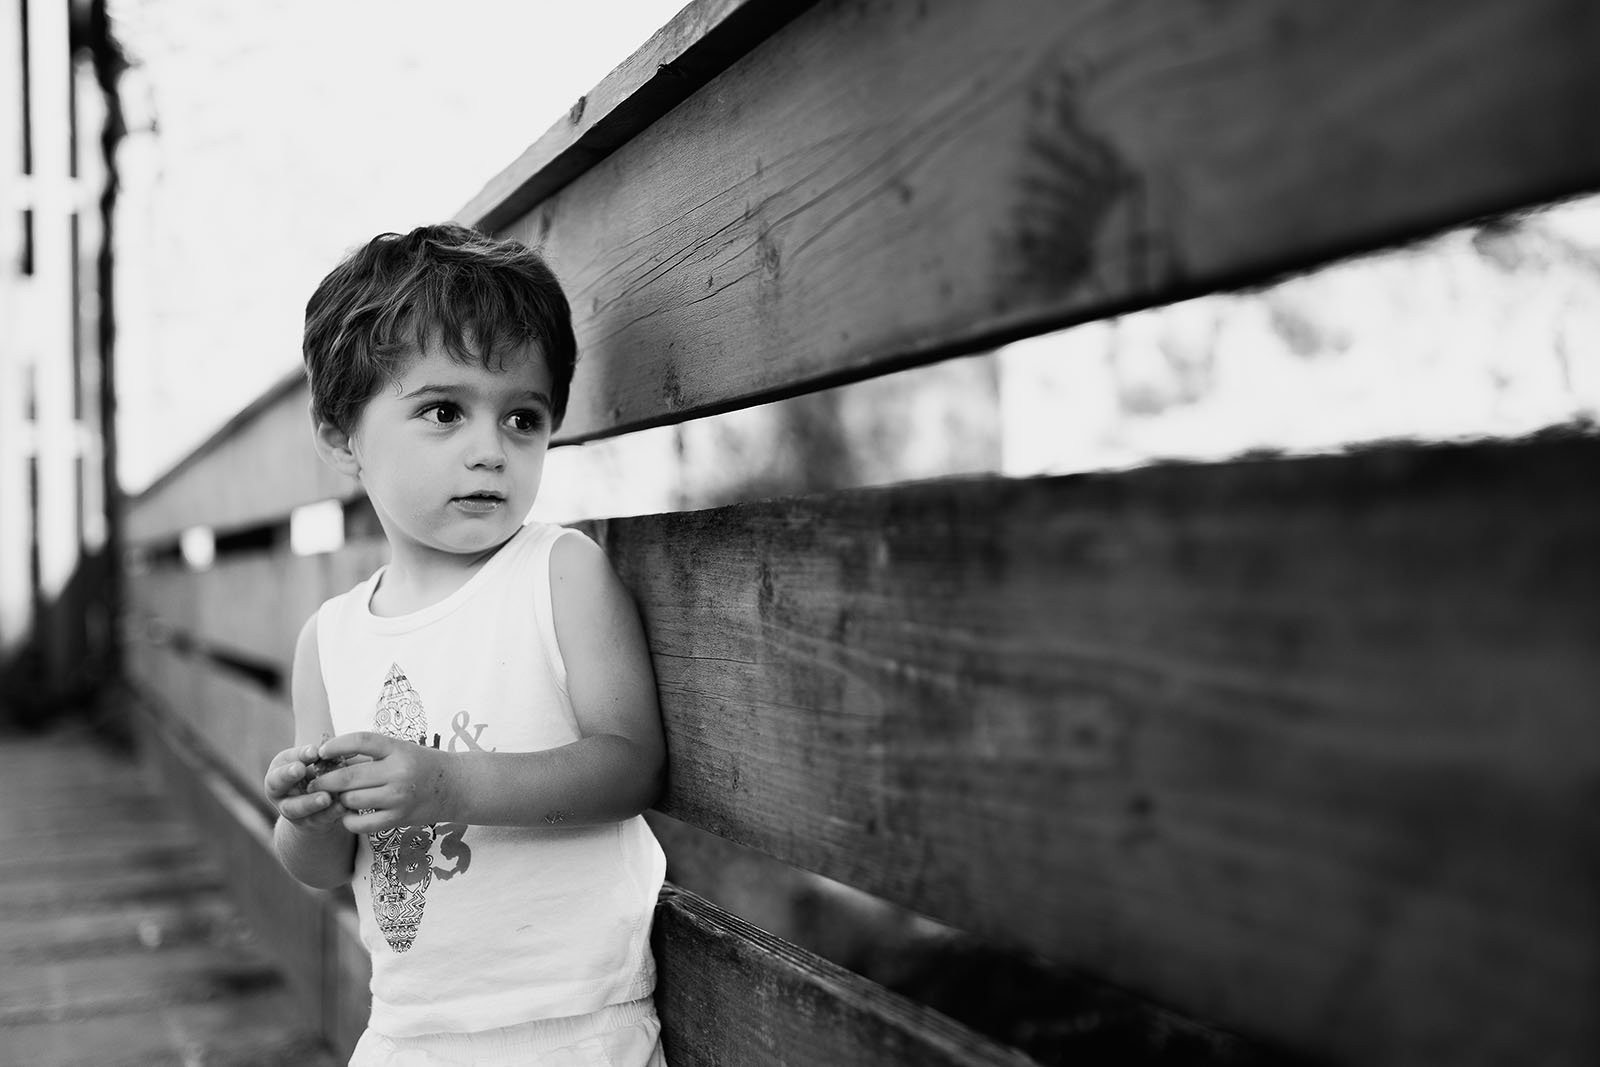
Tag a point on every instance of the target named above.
point(336, 449)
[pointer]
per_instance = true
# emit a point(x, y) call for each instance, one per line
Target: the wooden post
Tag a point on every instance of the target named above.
point(15, 532)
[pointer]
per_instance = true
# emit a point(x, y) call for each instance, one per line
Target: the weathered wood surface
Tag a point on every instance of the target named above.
point(1150, 723)
point(882, 184)
point(1306, 748)
point(701, 41)
point(887, 183)
point(730, 993)
point(118, 944)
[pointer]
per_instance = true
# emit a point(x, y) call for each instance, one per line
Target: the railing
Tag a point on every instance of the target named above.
point(1305, 749)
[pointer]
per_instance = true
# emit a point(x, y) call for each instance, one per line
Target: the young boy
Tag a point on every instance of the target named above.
point(488, 690)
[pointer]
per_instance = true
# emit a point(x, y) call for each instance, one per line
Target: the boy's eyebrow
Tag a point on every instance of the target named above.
point(450, 390)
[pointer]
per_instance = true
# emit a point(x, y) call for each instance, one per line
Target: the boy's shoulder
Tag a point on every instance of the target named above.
point(331, 609)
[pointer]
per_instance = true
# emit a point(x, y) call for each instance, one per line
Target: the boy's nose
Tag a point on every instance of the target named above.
point(487, 453)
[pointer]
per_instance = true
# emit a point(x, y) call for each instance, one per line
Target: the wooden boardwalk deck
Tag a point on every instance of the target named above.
point(118, 944)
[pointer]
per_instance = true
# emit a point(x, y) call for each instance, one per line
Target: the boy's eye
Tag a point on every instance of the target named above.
point(525, 421)
point(443, 414)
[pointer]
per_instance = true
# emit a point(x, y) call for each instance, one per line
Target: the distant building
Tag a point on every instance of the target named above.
point(56, 531)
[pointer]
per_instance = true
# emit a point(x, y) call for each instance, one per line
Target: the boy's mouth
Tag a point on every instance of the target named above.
point(479, 502)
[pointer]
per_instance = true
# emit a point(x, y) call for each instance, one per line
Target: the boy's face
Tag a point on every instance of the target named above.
point(451, 454)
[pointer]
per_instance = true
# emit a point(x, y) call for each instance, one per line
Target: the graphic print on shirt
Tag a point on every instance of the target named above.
point(402, 868)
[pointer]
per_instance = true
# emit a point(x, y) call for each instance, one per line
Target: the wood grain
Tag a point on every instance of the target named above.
point(888, 183)
point(697, 44)
point(1305, 748)
point(730, 993)
point(882, 184)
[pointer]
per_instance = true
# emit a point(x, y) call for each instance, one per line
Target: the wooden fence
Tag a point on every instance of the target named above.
point(1304, 749)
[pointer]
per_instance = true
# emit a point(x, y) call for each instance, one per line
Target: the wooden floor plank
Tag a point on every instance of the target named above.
point(58, 937)
point(118, 942)
point(240, 1030)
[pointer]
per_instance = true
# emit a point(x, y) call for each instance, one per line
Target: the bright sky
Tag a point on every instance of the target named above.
point(266, 139)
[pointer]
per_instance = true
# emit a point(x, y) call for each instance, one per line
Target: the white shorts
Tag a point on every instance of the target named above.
point(621, 1035)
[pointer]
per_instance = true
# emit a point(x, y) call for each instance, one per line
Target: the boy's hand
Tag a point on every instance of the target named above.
point(286, 782)
point(397, 783)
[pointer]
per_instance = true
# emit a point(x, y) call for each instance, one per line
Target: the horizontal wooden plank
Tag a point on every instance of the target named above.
point(1053, 1013)
point(240, 605)
point(1306, 748)
point(249, 606)
point(282, 591)
point(241, 727)
point(886, 183)
point(255, 470)
point(304, 929)
point(729, 992)
point(697, 44)
point(161, 598)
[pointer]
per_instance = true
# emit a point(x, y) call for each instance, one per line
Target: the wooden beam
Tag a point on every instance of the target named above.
point(1305, 748)
point(889, 183)
point(249, 605)
point(699, 43)
point(240, 727)
point(729, 992)
point(254, 470)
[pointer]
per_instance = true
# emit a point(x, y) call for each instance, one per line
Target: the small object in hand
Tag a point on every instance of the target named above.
point(317, 768)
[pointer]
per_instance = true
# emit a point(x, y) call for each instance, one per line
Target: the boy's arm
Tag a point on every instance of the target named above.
point(312, 844)
point(616, 770)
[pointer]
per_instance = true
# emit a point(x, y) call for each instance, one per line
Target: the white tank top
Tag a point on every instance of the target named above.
point(479, 927)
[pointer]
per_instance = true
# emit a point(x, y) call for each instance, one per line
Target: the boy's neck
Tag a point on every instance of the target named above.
point(416, 580)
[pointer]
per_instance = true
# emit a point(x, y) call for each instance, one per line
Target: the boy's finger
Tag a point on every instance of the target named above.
point(367, 821)
point(363, 799)
point(352, 775)
point(282, 775)
point(304, 807)
point(364, 743)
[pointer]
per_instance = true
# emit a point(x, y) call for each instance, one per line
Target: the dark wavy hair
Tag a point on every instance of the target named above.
point(479, 296)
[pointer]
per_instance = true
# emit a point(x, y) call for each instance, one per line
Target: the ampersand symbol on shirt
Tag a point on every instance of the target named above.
point(459, 724)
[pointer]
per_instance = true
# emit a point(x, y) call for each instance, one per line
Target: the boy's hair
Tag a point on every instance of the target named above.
point(478, 296)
